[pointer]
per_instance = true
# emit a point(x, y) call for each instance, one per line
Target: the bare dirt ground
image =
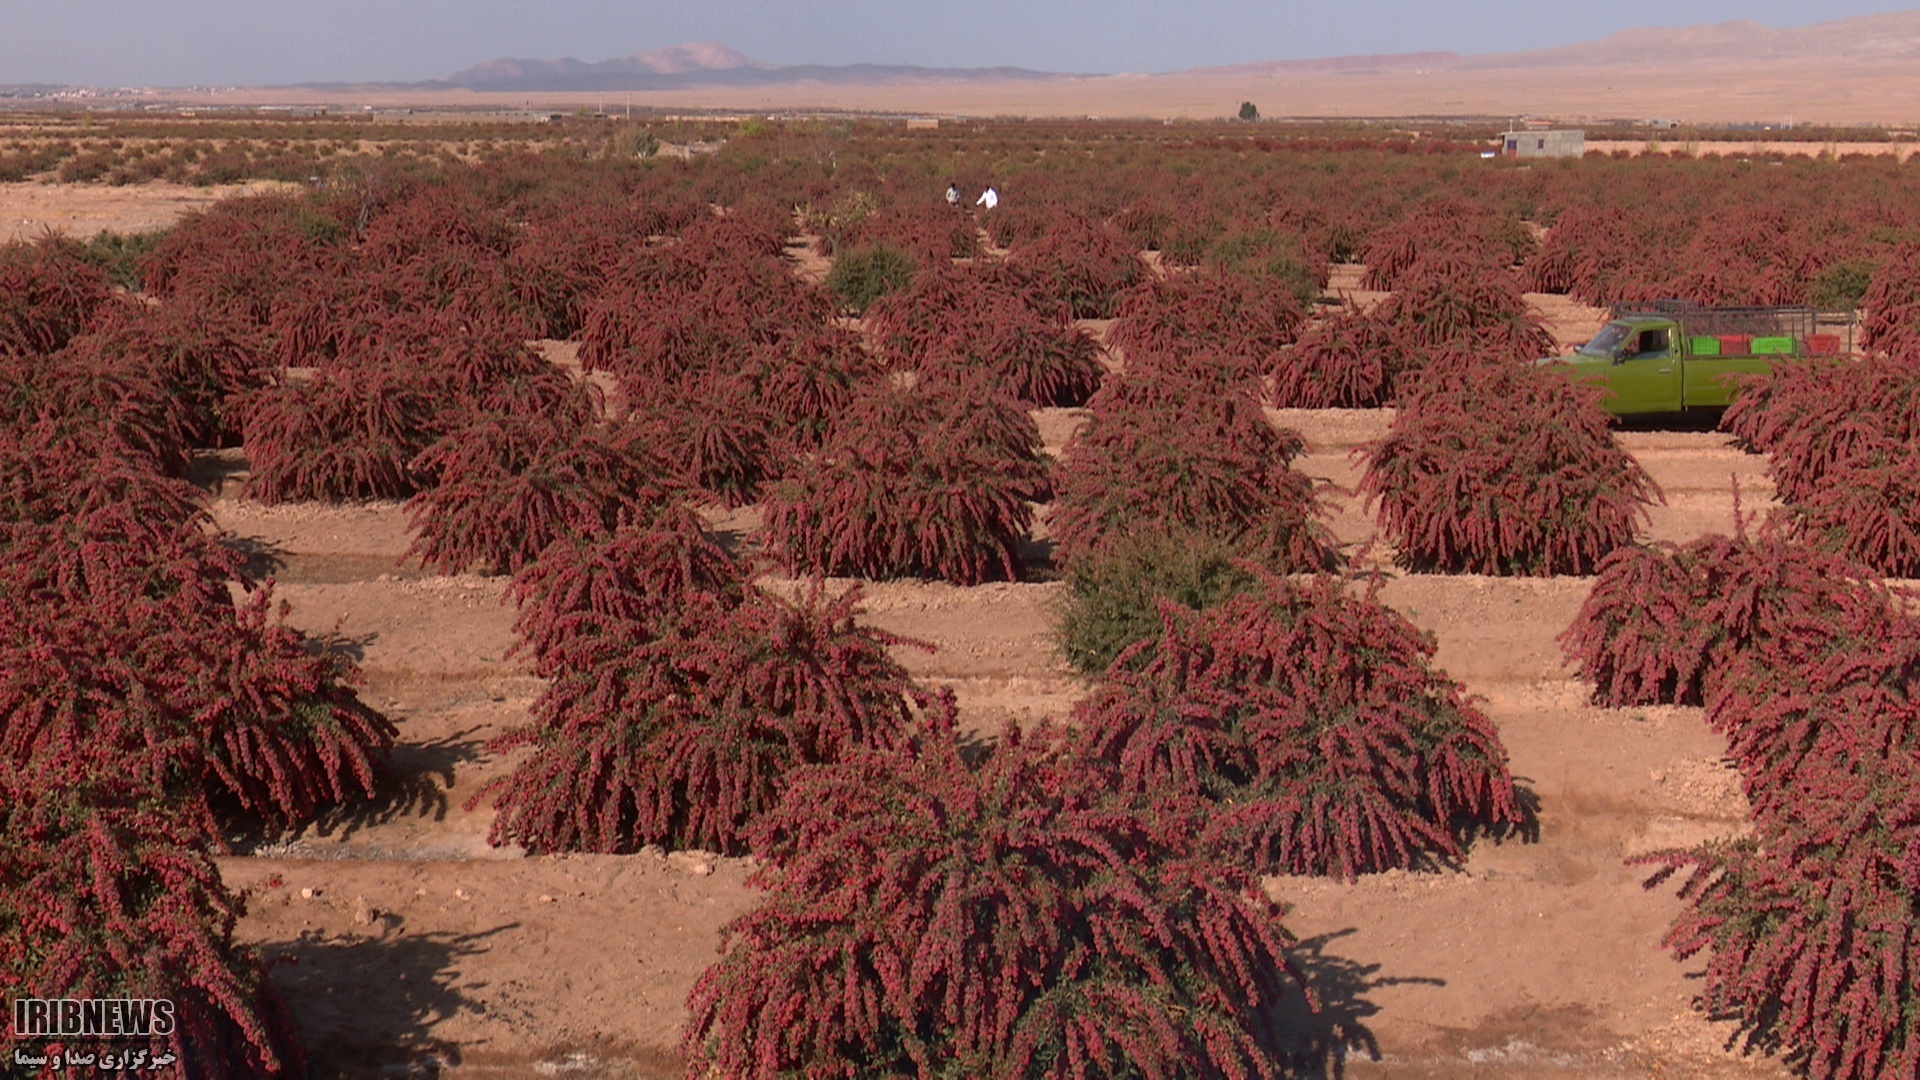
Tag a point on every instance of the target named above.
point(408, 946)
point(29, 208)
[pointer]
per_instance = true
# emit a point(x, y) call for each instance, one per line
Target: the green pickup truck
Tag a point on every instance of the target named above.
point(1670, 357)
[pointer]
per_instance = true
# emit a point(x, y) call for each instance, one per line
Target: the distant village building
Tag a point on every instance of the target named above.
point(1530, 144)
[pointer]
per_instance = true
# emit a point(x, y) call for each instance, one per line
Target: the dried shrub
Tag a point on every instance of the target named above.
point(1302, 730)
point(1113, 596)
point(1241, 321)
point(1166, 454)
point(922, 480)
point(106, 891)
point(1506, 470)
point(929, 918)
point(509, 484)
point(680, 728)
point(338, 435)
point(49, 293)
point(1661, 620)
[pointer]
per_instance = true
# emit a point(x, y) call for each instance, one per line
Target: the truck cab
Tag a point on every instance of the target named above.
point(1678, 357)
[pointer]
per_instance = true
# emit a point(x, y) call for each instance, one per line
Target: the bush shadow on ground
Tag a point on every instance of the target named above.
point(368, 1006)
point(1317, 1039)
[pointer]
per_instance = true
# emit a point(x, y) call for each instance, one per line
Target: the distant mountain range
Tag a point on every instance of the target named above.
point(700, 64)
point(1879, 38)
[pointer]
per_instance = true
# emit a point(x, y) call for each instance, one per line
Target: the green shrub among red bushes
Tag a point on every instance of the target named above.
point(1504, 470)
point(927, 479)
point(1302, 730)
point(930, 917)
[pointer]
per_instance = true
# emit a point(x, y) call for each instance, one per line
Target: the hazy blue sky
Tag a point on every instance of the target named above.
point(183, 42)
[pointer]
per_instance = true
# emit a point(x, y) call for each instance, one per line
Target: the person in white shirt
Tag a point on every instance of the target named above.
point(989, 199)
point(953, 195)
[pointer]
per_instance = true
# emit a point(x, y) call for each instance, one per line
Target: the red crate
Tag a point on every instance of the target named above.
point(1736, 344)
point(1823, 345)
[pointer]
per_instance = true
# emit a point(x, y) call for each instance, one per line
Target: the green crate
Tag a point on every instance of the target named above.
point(1704, 346)
point(1773, 346)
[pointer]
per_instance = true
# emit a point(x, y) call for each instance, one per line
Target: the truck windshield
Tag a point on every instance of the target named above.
point(1608, 340)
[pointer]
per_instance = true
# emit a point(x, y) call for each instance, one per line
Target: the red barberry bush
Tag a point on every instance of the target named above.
point(1504, 470)
point(1035, 361)
point(1815, 418)
point(923, 479)
point(107, 891)
point(342, 435)
point(804, 382)
point(930, 918)
point(1890, 323)
point(587, 593)
point(957, 324)
point(96, 401)
point(1241, 321)
point(266, 721)
point(510, 484)
point(1453, 299)
point(1661, 619)
point(1080, 263)
point(1349, 360)
point(711, 430)
point(679, 728)
point(1868, 512)
point(1303, 730)
point(49, 293)
point(1810, 922)
point(1168, 453)
point(205, 359)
